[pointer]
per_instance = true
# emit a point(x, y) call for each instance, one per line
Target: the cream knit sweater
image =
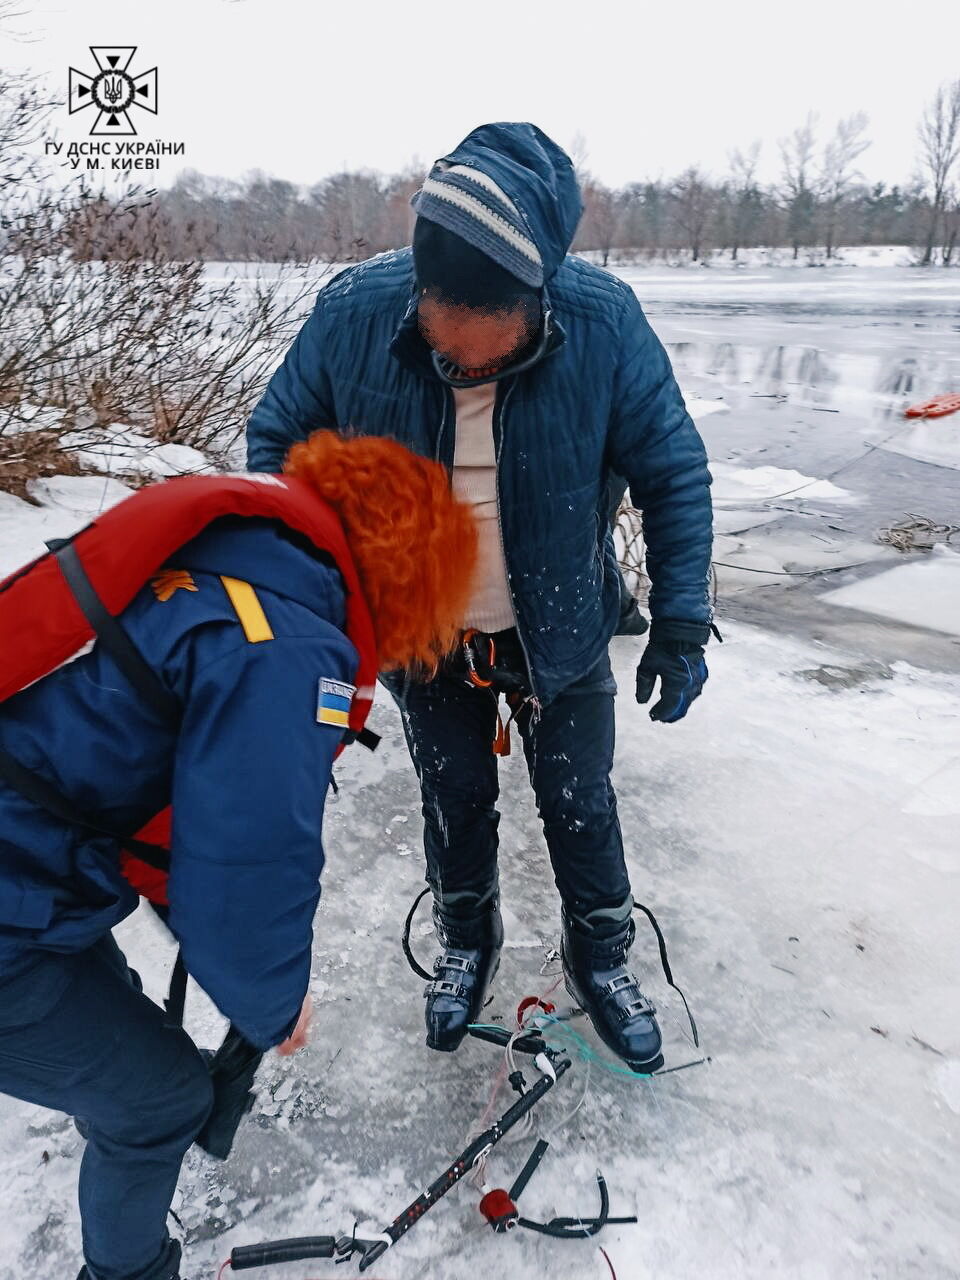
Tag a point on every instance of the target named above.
point(475, 482)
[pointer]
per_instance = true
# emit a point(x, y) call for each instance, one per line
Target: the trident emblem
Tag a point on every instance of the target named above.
point(113, 87)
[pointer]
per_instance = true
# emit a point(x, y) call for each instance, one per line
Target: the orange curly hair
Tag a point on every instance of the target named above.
point(414, 544)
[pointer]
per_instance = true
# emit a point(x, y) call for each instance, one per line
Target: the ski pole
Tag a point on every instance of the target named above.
point(245, 1257)
point(464, 1163)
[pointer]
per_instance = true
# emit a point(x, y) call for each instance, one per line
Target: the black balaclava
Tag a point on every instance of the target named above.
point(457, 272)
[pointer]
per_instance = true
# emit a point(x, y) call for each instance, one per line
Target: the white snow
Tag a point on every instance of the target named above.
point(924, 593)
point(67, 504)
point(947, 1083)
point(119, 449)
point(753, 260)
point(31, 417)
point(733, 482)
point(78, 496)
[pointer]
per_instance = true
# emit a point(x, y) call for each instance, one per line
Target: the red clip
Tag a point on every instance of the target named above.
point(499, 1210)
point(533, 1002)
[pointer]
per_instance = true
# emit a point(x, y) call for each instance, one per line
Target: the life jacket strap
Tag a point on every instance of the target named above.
point(46, 796)
point(110, 632)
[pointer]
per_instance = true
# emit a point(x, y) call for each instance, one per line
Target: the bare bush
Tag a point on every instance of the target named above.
point(135, 337)
point(102, 322)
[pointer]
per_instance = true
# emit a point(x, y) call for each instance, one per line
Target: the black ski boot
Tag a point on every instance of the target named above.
point(471, 956)
point(594, 953)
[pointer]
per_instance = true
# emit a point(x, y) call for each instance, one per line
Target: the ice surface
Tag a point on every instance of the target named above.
point(810, 908)
point(699, 408)
point(935, 440)
point(735, 483)
point(925, 592)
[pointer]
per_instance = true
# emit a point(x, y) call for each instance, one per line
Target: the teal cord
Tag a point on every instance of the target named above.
point(584, 1051)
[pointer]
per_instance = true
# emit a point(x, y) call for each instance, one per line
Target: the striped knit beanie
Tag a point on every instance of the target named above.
point(468, 202)
point(456, 272)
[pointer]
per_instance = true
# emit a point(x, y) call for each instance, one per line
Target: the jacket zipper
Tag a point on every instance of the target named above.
point(447, 398)
point(503, 549)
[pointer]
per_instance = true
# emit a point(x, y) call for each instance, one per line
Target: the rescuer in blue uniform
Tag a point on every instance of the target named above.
point(246, 630)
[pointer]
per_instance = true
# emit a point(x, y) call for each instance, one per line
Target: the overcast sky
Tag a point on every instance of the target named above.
point(302, 88)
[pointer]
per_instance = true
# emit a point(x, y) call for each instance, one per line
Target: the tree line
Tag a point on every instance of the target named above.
point(818, 204)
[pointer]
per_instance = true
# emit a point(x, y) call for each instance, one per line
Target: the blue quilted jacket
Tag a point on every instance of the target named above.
point(603, 399)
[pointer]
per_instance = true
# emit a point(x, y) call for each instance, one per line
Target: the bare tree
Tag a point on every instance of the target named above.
point(601, 219)
point(951, 226)
point(578, 153)
point(351, 208)
point(98, 323)
point(24, 111)
point(939, 133)
point(398, 217)
point(838, 172)
point(744, 197)
point(693, 201)
point(798, 189)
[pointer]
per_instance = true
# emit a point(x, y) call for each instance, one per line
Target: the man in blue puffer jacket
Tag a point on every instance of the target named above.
point(534, 377)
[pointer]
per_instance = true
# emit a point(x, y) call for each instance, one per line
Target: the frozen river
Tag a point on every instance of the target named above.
point(809, 370)
point(796, 835)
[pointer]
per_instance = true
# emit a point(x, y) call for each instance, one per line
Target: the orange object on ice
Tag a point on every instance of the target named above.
point(938, 407)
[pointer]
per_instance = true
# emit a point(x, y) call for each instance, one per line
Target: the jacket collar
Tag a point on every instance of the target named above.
point(408, 346)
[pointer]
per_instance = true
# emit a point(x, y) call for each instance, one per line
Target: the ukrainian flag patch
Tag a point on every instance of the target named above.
point(333, 703)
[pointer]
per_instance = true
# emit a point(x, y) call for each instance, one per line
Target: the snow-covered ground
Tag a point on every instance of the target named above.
point(797, 836)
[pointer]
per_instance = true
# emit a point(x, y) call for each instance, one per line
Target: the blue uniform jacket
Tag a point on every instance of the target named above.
point(603, 399)
point(246, 769)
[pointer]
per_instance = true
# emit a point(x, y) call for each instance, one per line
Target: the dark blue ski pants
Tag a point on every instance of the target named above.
point(102, 1052)
point(450, 728)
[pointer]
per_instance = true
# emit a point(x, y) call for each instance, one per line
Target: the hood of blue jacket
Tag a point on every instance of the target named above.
point(536, 174)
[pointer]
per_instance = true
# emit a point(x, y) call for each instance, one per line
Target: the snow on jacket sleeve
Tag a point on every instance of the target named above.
point(250, 781)
point(654, 443)
point(297, 401)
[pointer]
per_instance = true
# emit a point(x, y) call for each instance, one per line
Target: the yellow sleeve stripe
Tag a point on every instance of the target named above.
point(248, 609)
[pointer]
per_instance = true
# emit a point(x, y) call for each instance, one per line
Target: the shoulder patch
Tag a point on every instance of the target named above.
point(167, 581)
point(248, 609)
point(333, 702)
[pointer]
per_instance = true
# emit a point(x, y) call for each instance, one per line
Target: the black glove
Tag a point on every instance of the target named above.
point(232, 1069)
point(674, 652)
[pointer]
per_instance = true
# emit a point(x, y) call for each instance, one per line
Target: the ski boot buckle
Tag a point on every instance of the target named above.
point(443, 987)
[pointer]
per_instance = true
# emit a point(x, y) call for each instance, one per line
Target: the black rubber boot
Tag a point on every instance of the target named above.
point(594, 952)
point(471, 956)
